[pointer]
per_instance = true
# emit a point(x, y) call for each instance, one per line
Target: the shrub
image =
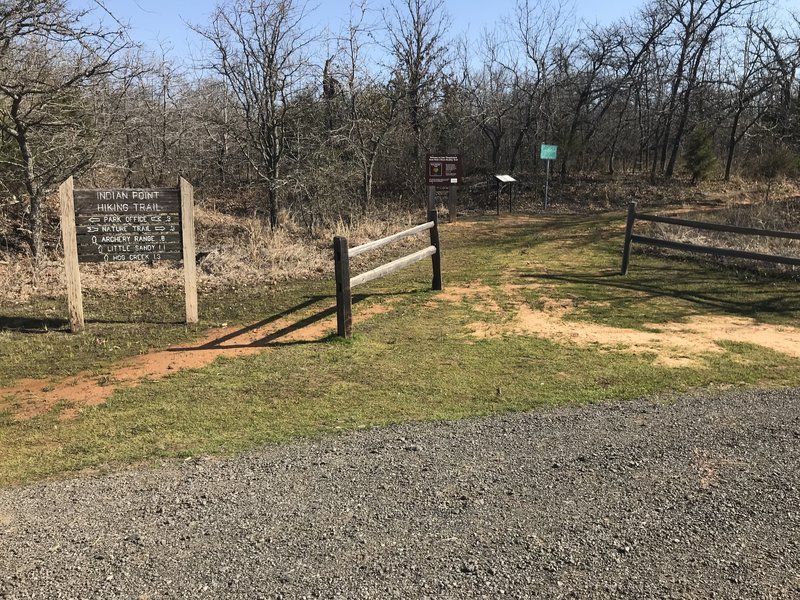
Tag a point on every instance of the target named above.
point(776, 161)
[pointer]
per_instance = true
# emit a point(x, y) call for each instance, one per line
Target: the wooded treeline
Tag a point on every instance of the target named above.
point(325, 123)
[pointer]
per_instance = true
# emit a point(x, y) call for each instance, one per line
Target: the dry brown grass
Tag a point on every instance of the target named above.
point(782, 215)
point(234, 251)
point(241, 250)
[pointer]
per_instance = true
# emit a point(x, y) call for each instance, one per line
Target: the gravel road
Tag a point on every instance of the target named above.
point(697, 497)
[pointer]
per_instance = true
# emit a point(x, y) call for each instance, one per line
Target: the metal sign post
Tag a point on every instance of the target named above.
point(547, 185)
point(504, 181)
point(547, 152)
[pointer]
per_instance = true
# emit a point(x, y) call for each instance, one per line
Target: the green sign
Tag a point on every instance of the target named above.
point(548, 152)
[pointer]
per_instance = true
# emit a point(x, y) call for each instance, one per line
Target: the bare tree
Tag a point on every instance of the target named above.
point(259, 49)
point(416, 39)
point(751, 76)
point(489, 88)
point(783, 117)
point(372, 104)
point(543, 32)
point(49, 63)
point(216, 159)
point(151, 126)
point(699, 21)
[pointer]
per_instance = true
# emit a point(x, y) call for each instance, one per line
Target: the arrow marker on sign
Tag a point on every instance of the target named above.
point(94, 219)
point(92, 229)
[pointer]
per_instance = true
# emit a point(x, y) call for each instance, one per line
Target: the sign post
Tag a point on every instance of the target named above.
point(504, 181)
point(444, 170)
point(547, 152)
point(127, 225)
point(187, 237)
point(74, 294)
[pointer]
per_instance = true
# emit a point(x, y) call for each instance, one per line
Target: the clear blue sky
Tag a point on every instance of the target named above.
point(155, 21)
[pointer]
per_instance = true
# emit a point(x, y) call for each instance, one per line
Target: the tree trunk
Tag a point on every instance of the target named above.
point(272, 198)
point(37, 227)
point(368, 177)
point(654, 164)
point(732, 145)
point(366, 189)
point(676, 144)
point(495, 153)
point(35, 237)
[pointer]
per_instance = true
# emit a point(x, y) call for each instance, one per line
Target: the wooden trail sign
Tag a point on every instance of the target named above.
point(127, 225)
point(123, 225)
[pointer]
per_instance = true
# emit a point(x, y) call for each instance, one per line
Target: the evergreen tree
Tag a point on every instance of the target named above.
point(699, 154)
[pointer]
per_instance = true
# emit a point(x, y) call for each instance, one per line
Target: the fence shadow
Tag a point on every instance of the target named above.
point(32, 324)
point(40, 325)
point(273, 339)
point(776, 304)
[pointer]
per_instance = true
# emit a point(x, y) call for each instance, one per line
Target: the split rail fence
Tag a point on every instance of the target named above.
point(342, 253)
point(631, 238)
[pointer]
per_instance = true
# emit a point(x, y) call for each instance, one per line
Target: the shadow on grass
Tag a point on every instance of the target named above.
point(273, 338)
point(53, 325)
point(776, 304)
point(32, 324)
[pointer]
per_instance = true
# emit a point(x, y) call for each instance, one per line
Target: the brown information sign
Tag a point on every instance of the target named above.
point(124, 225)
point(443, 169)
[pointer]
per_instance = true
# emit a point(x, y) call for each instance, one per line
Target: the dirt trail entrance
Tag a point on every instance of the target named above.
point(676, 344)
point(311, 321)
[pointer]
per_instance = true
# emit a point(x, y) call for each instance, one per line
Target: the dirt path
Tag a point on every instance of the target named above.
point(32, 397)
point(676, 344)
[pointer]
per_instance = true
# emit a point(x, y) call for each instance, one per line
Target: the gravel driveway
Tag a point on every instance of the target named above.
point(699, 497)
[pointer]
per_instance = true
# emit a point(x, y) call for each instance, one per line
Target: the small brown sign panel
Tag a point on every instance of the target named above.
point(125, 225)
point(443, 169)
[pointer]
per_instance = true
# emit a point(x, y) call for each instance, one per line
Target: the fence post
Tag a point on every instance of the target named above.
point(436, 259)
point(344, 298)
point(626, 251)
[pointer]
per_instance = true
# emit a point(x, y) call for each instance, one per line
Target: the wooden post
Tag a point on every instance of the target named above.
point(431, 197)
point(436, 259)
point(70, 240)
point(626, 251)
point(344, 298)
point(189, 262)
point(497, 195)
point(452, 203)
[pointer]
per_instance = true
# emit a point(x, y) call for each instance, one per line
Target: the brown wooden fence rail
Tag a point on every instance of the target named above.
point(342, 253)
point(630, 238)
